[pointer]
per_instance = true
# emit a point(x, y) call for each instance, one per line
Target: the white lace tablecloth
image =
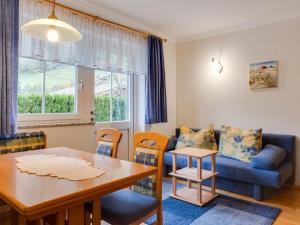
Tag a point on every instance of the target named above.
point(58, 166)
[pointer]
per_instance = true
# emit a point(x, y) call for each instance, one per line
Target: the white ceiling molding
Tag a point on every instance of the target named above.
point(100, 11)
point(232, 29)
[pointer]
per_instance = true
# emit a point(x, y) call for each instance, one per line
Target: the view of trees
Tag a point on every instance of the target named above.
point(48, 87)
point(65, 104)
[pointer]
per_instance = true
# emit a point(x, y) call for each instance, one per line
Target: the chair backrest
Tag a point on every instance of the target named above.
point(148, 149)
point(108, 140)
point(21, 142)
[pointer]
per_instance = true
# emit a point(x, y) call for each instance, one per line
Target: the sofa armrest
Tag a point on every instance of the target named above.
point(269, 158)
point(172, 144)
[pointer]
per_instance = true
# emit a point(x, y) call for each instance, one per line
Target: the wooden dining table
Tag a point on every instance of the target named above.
point(33, 197)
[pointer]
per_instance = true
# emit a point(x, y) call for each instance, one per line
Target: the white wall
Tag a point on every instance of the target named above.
point(78, 137)
point(170, 68)
point(205, 97)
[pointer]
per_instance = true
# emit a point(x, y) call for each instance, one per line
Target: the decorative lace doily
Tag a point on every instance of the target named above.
point(58, 166)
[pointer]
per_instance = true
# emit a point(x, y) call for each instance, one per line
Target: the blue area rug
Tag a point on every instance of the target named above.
point(223, 210)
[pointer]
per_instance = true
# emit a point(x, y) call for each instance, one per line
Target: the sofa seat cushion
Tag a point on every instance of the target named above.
point(240, 171)
point(126, 206)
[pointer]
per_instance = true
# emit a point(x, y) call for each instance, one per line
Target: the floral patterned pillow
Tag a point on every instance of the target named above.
point(241, 144)
point(204, 138)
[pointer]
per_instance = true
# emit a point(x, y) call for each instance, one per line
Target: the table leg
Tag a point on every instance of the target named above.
point(160, 214)
point(199, 169)
point(60, 218)
point(213, 170)
point(18, 219)
point(55, 219)
point(199, 176)
point(173, 177)
point(35, 222)
point(199, 192)
point(97, 211)
point(14, 217)
point(22, 220)
point(189, 162)
point(76, 215)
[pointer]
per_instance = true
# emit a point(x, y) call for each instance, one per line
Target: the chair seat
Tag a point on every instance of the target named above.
point(126, 206)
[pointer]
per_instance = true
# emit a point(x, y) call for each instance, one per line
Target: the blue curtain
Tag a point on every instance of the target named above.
point(156, 100)
point(9, 38)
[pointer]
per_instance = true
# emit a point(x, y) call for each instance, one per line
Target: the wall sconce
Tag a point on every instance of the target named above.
point(217, 65)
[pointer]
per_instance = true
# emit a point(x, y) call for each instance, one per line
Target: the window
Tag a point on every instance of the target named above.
point(46, 87)
point(53, 92)
point(111, 96)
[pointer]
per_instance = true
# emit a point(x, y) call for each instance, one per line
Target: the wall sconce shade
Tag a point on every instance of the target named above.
point(217, 65)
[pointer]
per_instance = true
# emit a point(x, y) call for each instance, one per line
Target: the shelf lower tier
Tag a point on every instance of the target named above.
point(190, 195)
point(191, 174)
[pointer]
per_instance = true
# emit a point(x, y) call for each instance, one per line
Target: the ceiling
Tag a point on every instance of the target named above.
point(191, 19)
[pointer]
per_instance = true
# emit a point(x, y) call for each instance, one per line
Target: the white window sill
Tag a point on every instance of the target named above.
point(34, 126)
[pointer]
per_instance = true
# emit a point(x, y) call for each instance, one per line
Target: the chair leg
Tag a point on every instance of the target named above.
point(160, 214)
point(87, 217)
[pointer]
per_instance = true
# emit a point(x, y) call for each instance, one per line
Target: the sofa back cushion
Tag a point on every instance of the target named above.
point(241, 144)
point(282, 140)
point(204, 138)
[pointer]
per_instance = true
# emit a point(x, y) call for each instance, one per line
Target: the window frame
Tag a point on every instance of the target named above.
point(85, 102)
point(38, 118)
point(129, 98)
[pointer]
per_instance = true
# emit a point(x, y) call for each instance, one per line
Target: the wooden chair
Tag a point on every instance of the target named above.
point(145, 197)
point(108, 140)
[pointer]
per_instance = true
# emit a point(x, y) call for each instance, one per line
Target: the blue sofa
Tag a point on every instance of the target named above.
point(241, 177)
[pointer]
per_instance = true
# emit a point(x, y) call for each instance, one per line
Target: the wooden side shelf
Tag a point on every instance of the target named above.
point(198, 195)
point(189, 195)
point(191, 174)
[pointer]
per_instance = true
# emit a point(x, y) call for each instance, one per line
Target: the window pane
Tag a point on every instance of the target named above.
point(119, 97)
point(102, 96)
point(60, 93)
point(30, 85)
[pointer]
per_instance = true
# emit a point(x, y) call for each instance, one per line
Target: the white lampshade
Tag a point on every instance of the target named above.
point(53, 30)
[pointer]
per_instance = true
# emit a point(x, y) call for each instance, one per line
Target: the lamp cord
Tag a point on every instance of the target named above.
point(54, 4)
point(53, 16)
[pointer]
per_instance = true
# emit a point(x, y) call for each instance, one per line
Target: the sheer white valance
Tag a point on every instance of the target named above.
point(102, 46)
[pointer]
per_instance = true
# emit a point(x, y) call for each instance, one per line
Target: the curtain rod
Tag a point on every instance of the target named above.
point(145, 34)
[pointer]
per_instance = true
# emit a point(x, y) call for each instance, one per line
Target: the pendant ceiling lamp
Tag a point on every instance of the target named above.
point(51, 29)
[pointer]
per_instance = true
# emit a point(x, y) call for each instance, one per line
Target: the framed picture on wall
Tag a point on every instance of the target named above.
point(263, 75)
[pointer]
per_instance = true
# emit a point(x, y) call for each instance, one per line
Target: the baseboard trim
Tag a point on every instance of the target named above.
point(295, 187)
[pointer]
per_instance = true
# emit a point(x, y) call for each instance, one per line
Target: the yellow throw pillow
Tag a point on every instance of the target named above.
point(241, 144)
point(184, 130)
point(204, 138)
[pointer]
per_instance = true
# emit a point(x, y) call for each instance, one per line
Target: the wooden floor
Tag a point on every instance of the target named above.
point(288, 199)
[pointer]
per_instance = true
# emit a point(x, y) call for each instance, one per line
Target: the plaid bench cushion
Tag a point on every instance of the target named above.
point(22, 142)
